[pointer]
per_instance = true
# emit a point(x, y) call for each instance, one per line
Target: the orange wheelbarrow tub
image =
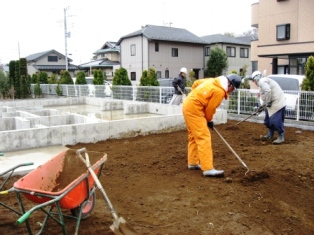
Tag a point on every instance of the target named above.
point(44, 181)
point(63, 182)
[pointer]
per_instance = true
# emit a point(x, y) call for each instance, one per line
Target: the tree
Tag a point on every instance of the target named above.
point(190, 82)
point(34, 78)
point(17, 83)
point(25, 79)
point(37, 90)
point(251, 32)
point(229, 34)
point(217, 62)
point(98, 77)
point(149, 78)
point(308, 82)
point(65, 77)
point(307, 99)
point(245, 84)
point(43, 77)
point(121, 77)
point(80, 78)
point(53, 79)
point(12, 73)
point(4, 85)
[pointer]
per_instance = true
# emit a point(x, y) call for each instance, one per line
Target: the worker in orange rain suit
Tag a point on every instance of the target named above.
point(198, 110)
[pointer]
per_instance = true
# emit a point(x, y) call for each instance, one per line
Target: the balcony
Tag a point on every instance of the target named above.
point(254, 14)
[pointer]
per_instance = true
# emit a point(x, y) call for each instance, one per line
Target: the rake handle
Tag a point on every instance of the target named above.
point(231, 149)
point(98, 184)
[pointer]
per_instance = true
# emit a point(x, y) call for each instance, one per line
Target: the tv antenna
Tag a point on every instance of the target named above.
point(168, 23)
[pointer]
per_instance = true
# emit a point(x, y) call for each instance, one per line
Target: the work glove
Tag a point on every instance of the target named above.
point(268, 104)
point(210, 125)
point(261, 108)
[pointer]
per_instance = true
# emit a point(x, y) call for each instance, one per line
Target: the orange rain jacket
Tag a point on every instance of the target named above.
point(199, 108)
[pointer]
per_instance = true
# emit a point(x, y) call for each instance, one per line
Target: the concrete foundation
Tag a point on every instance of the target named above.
point(22, 127)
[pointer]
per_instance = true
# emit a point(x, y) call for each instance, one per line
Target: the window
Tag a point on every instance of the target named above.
point(244, 52)
point(52, 58)
point(231, 52)
point(133, 50)
point(158, 73)
point(174, 52)
point(297, 65)
point(133, 76)
point(166, 73)
point(207, 51)
point(156, 46)
point(254, 65)
point(283, 32)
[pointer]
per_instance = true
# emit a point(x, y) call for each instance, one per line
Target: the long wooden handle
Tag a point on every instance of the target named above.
point(235, 154)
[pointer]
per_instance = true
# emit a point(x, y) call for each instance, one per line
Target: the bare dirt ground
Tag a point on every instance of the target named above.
point(147, 180)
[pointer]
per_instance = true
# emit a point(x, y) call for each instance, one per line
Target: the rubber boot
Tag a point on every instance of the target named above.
point(213, 173)
point(269, 135)
point(280, 139)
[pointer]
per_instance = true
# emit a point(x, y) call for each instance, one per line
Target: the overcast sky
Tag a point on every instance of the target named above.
point(33, 26)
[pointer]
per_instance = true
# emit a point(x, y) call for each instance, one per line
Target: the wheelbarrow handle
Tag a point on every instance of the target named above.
point(23, 218)
point(7, 191)
point(17, 166)
point(27, 164)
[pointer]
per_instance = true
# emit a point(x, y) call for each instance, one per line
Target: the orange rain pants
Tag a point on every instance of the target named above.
point(199, 108)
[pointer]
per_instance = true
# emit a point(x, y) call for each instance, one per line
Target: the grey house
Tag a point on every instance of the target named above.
point(166, 49)
point(107, 59)
point(49, 61)
point(238, 50)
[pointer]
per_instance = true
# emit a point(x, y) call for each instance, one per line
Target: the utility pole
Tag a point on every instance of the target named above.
point(66, 35)
point(19, 49)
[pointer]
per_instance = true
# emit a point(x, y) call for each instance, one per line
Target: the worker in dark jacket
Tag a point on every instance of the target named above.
point(179, 86)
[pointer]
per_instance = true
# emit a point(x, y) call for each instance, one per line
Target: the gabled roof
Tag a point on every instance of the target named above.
point(107, 50)
point(164, 33)
point(219, 38)
point(108, 47)
point(39, 55)
point(102, 63)
point(109, 44)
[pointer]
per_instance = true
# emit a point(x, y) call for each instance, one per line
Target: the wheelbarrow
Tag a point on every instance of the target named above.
point(55, 187)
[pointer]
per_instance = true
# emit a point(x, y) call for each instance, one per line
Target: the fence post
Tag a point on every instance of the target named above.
point(239, 101)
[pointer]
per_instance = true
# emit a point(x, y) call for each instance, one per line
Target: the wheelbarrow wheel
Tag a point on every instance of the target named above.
point(87, 209)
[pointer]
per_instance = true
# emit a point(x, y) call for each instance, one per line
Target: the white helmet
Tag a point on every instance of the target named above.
point(257, 75)
point(184, 70)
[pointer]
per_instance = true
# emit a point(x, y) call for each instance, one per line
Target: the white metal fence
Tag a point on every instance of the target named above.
point(242, 101)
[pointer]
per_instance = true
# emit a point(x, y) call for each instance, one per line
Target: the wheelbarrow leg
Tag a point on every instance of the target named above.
point(18, 196)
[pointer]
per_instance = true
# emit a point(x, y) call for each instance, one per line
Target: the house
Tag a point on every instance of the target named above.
point(286, 35)
point(49, 61)
point(166, 49)
point(107, 59)
point(238, 50)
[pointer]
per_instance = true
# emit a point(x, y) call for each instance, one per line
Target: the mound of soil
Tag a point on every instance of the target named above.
point(148, 183)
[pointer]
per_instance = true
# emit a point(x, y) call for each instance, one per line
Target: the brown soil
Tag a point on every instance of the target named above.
point(147, 180)
point(73, 167)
